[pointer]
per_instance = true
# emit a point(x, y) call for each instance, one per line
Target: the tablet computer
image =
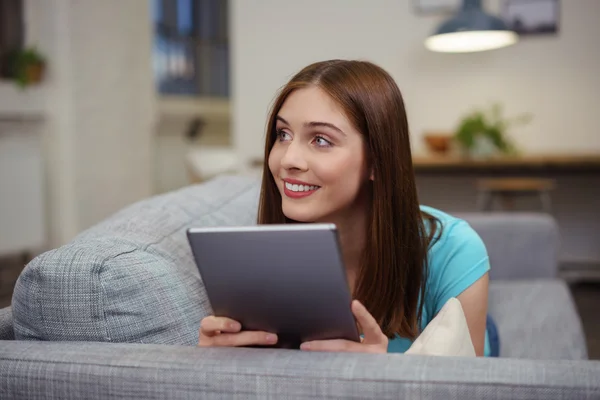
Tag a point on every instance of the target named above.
point(286, 279)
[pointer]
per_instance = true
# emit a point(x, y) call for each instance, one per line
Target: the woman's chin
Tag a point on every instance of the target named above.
point(300, 220)
point(300, 217)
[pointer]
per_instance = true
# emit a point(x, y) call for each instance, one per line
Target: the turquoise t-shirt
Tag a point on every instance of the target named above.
point(456, 260)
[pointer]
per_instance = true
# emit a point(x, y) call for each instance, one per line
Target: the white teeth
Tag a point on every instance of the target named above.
point(300, 188)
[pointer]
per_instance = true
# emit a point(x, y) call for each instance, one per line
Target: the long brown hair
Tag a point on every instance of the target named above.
point(392, 279)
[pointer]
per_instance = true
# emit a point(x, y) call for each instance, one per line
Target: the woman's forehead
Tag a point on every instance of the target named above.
point(312, 104)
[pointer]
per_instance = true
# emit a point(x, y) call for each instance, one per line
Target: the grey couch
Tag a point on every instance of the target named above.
point(115, 314)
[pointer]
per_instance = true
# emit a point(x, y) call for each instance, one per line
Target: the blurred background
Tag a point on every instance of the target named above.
point(104, 103)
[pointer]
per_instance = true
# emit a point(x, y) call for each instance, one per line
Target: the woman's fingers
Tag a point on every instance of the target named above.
point(222, 331)
point(245, 338)
point(371, 330)
point(338, 345)
point(374, 340)
point(212, 325)
point(226, 332)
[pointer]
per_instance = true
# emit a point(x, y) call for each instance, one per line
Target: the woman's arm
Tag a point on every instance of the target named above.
point(474, 301)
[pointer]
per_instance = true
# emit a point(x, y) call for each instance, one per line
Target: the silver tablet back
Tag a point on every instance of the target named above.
point(285, 279)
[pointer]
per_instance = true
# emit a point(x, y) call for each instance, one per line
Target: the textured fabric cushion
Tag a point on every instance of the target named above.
point(6, 324)
point(446, 335)
point(131, 278)
point(41, 370)
point(537, 320)
point(520, 245)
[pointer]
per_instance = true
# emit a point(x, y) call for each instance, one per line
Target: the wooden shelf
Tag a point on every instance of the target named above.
point(525, 163)
point(20, 118)
point(19, 104)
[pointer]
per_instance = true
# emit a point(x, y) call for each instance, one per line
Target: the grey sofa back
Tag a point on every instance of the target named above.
point(520, 245)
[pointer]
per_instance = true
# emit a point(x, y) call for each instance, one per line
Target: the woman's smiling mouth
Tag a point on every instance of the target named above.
point(298, 189)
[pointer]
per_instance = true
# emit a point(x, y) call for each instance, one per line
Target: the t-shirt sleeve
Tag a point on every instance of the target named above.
point(457, 260)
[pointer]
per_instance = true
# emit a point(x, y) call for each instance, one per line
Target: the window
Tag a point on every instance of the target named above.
point(191, 47)
point(11, 31)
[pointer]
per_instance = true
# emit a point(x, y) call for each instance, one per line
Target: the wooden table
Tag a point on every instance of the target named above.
point(526, 164)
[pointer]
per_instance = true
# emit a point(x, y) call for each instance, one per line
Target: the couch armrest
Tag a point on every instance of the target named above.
point(70, 370)
point(6, 324)
point(520, 245)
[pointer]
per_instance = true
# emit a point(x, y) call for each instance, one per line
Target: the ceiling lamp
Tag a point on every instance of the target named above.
point(472, 29)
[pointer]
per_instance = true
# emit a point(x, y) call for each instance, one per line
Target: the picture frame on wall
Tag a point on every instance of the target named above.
point(532, 17)
point(432, 7)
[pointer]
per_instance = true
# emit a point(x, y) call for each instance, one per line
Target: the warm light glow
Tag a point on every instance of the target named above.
point(470, 41)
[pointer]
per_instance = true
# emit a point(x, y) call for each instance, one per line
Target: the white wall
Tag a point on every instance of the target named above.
point(556, 78)
point(113, 97)
point(99, 108)
point(22, 208)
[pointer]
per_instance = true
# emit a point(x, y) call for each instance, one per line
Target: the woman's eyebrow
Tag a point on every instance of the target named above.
point(314, 124)
point(279, 118)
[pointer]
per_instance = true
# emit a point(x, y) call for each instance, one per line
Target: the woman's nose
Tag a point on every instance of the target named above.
point(293, 158)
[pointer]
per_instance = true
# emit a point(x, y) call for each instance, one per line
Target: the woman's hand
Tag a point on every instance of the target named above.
point(374, 340)
point(225, 332)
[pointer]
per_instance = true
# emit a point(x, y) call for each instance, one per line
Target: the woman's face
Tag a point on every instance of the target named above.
point(318, 159)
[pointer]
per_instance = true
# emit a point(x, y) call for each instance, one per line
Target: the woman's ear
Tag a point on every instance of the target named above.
point(372, 175)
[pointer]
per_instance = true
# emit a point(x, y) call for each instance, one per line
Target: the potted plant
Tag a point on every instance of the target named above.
point(483, 132)
point(26, 66)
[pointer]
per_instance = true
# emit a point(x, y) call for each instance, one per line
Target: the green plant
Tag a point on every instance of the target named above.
point(491, 125)
point(25, 66)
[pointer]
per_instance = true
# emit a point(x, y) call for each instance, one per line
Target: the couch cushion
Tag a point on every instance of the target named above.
point(131, 278)
point(537, 320)
point(446, 335)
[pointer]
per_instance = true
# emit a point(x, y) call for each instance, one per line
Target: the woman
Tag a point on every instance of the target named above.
point(337, 150)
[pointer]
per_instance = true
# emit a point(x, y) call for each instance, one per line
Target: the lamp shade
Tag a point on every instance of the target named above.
point(472, 29)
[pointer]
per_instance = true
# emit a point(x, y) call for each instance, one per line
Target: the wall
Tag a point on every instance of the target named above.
point(556, 77)
point(22, 221)
point(113, 104)
point(99, 108)
point(174, 147)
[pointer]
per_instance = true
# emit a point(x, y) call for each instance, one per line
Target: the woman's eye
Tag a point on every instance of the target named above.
point(282, 135)
point(322, 142)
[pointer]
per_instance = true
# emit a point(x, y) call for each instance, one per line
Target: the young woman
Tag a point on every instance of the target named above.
point(337, 150)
